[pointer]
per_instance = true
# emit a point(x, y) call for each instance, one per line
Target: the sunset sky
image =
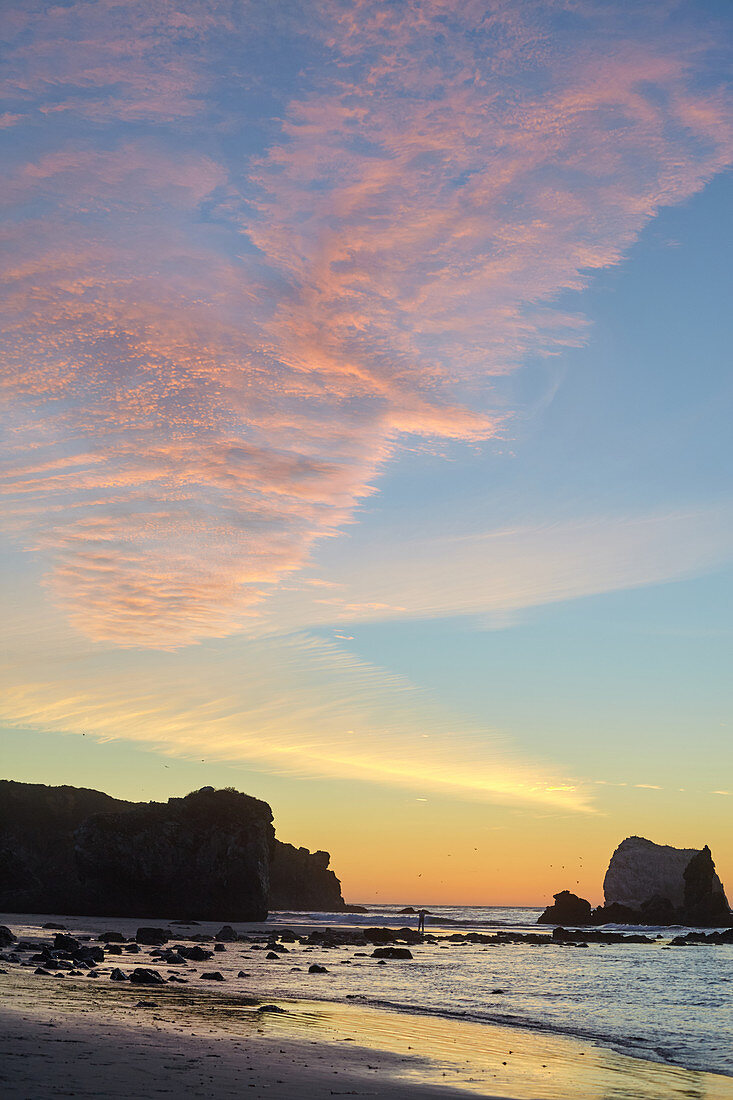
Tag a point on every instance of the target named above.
point(366, 433)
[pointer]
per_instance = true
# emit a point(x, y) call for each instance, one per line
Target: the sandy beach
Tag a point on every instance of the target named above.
point(79, 1037)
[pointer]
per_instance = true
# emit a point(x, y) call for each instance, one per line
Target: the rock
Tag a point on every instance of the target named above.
point(704, 902)
point(212, 976)
point(314, 968)
point(664, 885)
point(301, 880)
point(382, 936)
point(143, 975)
point(152, 937)
point(71, 850)
point(219, 947)
point(118, 975)
point(271, 955)
point(196, 954)
point(6, 936)
point(568, 909)
point(209, 855)
point(408, 909)
point(112, 937)
point(272, 1008)
point(392, 953)
point(226, 934)
point(55, 927)
point(651, 884)
point(616, 914)
point(355, 909)
point(40, 970)
point(62, 942)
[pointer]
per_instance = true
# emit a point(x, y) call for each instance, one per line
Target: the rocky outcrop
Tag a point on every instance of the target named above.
point(667, 885)
point(640, 870)
point(205, 856)
point(301, 880)
point(568, 909)
point(651, 884)
point(77, 851)
point(37, 867)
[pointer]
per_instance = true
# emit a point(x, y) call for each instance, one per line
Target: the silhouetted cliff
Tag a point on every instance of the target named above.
point(300, 879)
point(77, 851)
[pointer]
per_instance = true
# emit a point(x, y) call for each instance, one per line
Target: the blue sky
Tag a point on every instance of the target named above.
point(368, 433)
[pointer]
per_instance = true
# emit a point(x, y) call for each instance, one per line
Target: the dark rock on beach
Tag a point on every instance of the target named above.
point(392, 953)
point(6, 936)
point(226, 934)
point(143, 975)
point(152, 937)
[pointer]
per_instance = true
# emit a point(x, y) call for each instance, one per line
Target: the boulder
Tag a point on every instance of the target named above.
point(226, 934)
point(568, 909)
point(6, 936)
point(62, 942)
point(152, 937)
point(143, 975)
point(392, 953)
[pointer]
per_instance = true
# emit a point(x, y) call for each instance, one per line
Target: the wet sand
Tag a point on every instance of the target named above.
point(79, 1037)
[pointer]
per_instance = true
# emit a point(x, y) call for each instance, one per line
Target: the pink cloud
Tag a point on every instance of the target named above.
point(211, 356)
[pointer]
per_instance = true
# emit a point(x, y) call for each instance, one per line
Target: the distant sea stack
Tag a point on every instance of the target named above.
point(649, 883)
point(208, 856)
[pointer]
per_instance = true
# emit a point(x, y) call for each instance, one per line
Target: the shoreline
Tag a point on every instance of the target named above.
point(62, 1036)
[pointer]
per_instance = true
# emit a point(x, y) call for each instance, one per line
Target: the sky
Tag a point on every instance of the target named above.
point(365, 435)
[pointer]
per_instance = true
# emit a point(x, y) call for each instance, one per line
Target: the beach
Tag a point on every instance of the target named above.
point(67, 1034)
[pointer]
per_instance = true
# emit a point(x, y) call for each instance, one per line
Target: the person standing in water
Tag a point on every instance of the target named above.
point(421, 914)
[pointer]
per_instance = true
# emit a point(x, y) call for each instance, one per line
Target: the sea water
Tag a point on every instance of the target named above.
point(671, 1004)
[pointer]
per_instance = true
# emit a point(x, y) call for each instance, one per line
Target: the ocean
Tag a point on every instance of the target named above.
point(652, 1001)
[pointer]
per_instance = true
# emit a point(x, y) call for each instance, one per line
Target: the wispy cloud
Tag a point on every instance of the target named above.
point(213, 347)
point(495, 575)
point(293, 706)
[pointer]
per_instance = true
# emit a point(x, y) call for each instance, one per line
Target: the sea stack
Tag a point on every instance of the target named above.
point(642, 875)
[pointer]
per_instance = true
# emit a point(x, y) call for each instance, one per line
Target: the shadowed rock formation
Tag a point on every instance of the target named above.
point(301, 880)
point(206, 856)
point(568, 909)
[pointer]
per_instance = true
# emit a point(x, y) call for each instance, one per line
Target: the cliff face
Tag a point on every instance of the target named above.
point(640, 870)
point(37, 867)
point(301, 880)
point(77, 851)
point(203, 857)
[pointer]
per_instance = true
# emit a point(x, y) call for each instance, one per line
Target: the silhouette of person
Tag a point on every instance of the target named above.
point(421, 914)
